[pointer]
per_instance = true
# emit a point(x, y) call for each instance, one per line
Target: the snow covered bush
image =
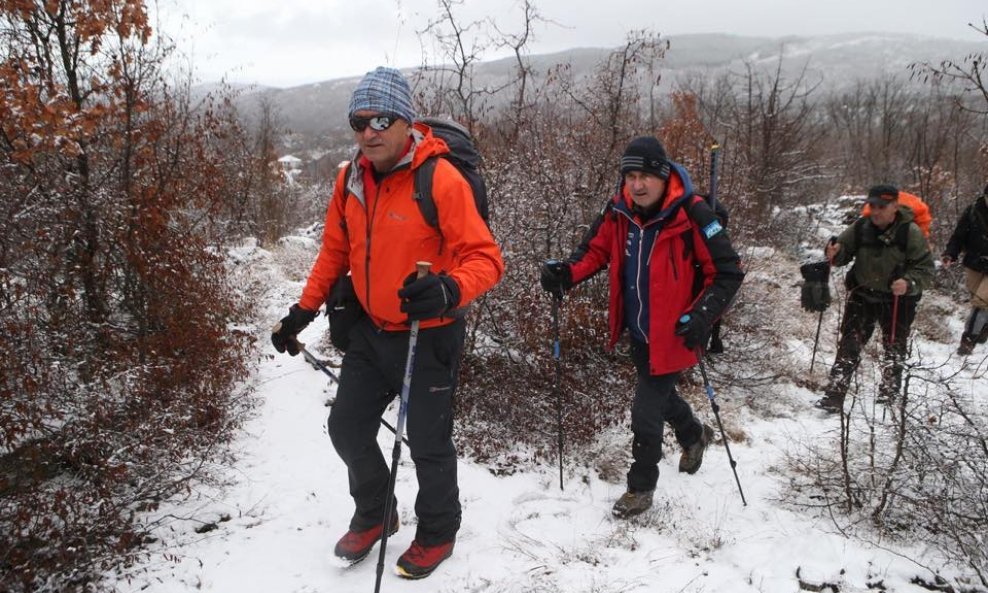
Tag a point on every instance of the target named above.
point(121, 357)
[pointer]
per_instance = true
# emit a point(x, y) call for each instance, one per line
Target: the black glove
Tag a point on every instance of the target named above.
point(285, 331)
point(816, 271)
point(694, 329)
point(815, 294)
point(429, 296)
point(556, 277)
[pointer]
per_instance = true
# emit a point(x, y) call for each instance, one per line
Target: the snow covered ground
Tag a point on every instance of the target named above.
point(286, 504)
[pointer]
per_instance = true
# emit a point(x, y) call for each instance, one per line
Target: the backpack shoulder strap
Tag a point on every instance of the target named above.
point(346, 193)
point(687, 235)
point(423, 192)
point(859, 231)
point(902, 237)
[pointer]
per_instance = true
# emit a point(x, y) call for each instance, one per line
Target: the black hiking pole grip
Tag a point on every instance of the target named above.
point(311, 359)
point(716, 408)
point(556, 302)
point(714, 153)
point(406, 385)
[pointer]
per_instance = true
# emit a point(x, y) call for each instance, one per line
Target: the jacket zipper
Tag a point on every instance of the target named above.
point(648, 262)
point(638, 281)
point(367, 260)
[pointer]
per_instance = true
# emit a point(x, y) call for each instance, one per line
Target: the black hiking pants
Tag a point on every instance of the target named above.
point(861, 314)
point(656, 402)
point(371, 376)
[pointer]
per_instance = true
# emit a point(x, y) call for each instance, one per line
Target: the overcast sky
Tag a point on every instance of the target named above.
point(291, 42)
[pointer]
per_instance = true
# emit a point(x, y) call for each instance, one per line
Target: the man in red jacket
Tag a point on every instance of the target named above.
point(672, 274)
point(376, 232)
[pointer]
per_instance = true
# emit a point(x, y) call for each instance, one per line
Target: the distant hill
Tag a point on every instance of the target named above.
point(316, 113)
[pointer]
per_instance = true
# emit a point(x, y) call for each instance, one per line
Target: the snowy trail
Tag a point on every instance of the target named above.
point(287, 503)
point(520, 533)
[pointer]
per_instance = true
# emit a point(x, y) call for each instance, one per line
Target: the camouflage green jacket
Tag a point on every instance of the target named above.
point(881, 256)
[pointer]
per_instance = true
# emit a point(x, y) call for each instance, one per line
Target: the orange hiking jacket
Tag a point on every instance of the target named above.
point(378, 235)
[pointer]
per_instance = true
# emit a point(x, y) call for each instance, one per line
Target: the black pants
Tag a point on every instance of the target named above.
point(860, 317)
point(656, 402)
point(371, 375)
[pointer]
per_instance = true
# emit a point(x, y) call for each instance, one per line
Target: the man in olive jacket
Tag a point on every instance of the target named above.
point(892, 267)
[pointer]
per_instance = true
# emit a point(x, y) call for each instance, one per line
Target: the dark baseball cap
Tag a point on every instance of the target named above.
point(880, 195)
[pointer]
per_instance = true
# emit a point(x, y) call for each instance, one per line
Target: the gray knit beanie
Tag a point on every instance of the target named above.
point(383, 90)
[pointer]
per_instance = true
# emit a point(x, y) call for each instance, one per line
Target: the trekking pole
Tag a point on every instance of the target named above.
point(422, 268)
point(720, 425)
point(819, 321)
point(311, 359)
point(557, 300)
point(816, 341)
point(714, 153)
point(891, 345)
point(895, 318)
point(897, 273)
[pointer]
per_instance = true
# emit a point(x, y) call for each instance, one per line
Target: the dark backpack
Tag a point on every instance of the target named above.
point(720, 210)
point(463, 155)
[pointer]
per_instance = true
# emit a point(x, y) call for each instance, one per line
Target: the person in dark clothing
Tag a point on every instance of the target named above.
point(380, 252)
point(672, 273)
point(892, 267)
point(970, 236)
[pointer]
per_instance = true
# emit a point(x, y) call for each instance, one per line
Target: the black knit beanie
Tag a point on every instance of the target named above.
point(645, 154)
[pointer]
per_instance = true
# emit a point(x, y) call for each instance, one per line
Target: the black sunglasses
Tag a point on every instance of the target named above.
point(377, 123)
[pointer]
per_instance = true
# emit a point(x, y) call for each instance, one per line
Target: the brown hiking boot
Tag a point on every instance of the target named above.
point(632, 503)
point(692, 457)
point(831, 404)
point(967, 345)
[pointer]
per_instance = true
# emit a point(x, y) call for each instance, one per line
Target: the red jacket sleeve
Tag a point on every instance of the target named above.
point(593, 252)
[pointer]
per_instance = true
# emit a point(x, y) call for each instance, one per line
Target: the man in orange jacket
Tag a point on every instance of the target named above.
point(376, 232)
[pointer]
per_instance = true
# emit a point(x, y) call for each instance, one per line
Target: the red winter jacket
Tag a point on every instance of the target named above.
point(680, 251)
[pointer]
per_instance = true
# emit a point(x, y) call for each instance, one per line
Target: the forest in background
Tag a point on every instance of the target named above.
point(127, 345)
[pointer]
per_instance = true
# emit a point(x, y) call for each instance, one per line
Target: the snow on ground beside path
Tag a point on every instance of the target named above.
point(287, 504)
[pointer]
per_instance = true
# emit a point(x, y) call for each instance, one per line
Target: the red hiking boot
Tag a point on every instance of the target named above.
point(419, 561)
point(355, 545)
